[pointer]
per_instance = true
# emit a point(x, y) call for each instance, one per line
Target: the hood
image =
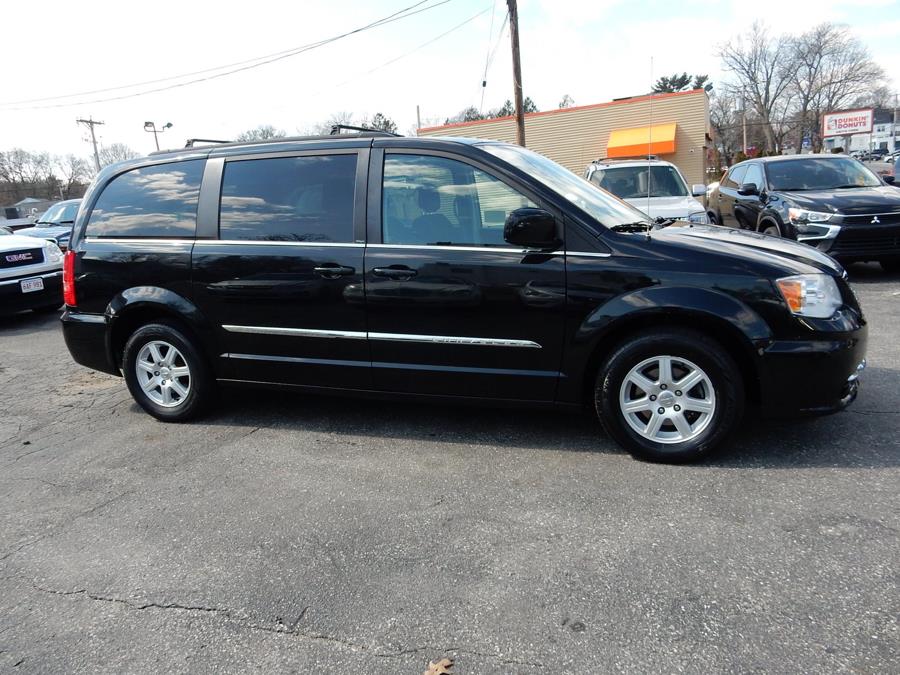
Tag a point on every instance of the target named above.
point(667, 207)
point(849, 201)
point(16, 242)
point(751, 245)
point(46, 231)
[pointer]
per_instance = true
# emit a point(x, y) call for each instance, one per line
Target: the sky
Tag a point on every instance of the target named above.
point(593, 50)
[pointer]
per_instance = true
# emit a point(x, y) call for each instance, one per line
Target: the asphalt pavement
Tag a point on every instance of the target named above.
point(287, 533)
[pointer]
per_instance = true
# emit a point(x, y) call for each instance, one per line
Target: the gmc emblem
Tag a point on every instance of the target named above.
point(18, 257)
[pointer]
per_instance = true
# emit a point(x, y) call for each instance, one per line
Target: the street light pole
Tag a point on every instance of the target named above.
point(151, 126)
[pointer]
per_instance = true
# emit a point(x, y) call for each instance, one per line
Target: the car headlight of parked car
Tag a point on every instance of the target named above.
point(801, 217)
point(698, 217)
point(53, 254)
point(813, 295)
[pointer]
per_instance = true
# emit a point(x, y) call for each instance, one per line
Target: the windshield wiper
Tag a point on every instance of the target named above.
point(842, 187)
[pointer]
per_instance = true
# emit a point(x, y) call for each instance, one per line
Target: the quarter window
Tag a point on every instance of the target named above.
point(440, 201)
point(153, 201)
point(306, 198)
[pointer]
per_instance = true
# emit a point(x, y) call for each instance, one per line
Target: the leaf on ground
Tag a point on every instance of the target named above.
point(441, 667)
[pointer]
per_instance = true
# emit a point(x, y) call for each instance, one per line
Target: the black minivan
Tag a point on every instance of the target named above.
point(447, 269)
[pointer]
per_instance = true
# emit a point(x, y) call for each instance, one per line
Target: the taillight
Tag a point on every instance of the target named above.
point(69, 278)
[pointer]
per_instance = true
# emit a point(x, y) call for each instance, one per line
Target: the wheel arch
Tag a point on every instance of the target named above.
point(138, 306)
point(734, 326)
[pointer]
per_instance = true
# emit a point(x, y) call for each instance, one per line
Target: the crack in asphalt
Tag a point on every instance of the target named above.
point(497, 656)
point(242, 621)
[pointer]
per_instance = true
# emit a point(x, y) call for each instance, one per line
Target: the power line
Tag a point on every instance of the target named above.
point(235, 67)
point(405, 54)
point(487, 56)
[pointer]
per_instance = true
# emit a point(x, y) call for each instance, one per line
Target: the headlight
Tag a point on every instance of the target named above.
point(803, 216)
point(813, 295)
point(699, 217)
point(53, 252)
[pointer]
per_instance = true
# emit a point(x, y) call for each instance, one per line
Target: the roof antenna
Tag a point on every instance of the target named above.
point(649, 144)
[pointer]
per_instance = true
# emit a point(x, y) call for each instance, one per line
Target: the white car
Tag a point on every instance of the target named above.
point(655, 187)
point(30, 273)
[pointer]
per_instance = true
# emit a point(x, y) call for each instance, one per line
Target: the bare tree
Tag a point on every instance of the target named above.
point(566, 101)
point(26, 174)
point(324, 128)
point(116, 152)
point(762, 69)
point(830, 69)
point(74, 172)
point(261, 133)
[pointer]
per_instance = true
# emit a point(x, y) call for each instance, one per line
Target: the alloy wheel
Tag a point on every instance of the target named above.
point(667, 399)
point(163, 373)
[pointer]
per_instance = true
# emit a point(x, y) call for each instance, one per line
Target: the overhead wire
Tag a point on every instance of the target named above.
point(236, 67)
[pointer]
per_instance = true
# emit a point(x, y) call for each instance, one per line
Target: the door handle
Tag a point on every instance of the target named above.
point(333, 270)
point(398, 272)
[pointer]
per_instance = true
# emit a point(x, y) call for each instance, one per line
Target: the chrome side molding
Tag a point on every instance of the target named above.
point(392, 337)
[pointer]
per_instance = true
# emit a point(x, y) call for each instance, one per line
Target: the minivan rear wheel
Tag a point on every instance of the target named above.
point(166, 374)
point(669, 397)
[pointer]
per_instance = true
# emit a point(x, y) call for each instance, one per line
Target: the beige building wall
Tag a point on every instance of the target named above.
point(576, 136)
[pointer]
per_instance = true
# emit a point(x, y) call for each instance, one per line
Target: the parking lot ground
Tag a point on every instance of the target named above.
point(296, 534)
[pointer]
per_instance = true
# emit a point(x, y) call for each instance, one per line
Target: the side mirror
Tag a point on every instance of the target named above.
point(748, 189)
point(531, 228)
point(698, 190)
point(889, 179)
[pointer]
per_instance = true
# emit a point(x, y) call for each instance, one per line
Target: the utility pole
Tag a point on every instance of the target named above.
point(418, 119)
point(517, 70)
point(90, 123)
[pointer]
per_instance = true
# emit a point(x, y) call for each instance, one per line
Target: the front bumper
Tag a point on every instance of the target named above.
point(819, 376)
point(12, 299)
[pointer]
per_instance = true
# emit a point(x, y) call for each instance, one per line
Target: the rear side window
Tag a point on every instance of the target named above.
point(153, 201)
point(736, 176)
point(289, 199)
point(439, 201)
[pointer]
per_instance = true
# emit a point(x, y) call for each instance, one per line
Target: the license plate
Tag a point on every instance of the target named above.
point(31, 285)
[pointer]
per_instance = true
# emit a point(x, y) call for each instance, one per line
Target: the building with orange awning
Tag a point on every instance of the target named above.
point(675, 127)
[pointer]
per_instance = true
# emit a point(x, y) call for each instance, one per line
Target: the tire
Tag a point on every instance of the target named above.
point(770, 228)
point(179, 390)
point(713, 218)
point(711, 408)
point(890, 265)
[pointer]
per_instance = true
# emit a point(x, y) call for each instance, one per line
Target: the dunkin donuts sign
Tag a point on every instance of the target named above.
point(847, 122)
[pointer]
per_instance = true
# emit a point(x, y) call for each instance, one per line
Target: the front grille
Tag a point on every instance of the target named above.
point(883, 219)
point(867, 240)
point(25, 256)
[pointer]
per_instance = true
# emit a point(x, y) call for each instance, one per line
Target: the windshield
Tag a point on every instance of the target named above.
point(59, 214)
point(819, 173)
point(597, 203)
point(630, 182)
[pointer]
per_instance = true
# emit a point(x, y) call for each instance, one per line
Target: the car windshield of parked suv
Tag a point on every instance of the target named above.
point(819, 173)
point(602, 206)
point(631, 182)
point(59, 214)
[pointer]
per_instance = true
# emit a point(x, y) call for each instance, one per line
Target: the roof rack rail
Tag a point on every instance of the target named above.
point(365, 133)
point(189, 143)
point(337, 128)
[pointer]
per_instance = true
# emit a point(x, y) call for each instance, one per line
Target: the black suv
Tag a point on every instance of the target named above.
point(832, 202)
point(449, 270)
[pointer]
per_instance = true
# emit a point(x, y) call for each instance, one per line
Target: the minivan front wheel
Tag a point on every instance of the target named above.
point(165, 373)
point(670, 397)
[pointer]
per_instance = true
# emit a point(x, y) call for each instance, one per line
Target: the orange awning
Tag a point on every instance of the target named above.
point(656, 140)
